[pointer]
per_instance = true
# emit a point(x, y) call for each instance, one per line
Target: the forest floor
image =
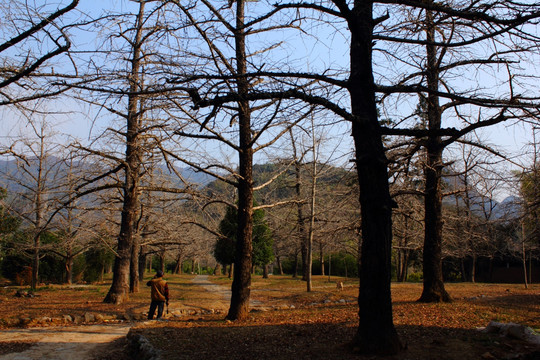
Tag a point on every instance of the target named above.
point(286, 321)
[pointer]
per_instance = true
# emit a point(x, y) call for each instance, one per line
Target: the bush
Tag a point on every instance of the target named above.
point(97, 260)
point(415, 277)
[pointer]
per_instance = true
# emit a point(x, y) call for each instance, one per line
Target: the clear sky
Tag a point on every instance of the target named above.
point(327, 49)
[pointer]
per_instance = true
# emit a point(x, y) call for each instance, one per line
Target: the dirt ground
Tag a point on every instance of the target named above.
point(287, 322)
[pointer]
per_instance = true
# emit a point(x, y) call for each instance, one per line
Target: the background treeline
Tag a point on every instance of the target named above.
point(482, 236)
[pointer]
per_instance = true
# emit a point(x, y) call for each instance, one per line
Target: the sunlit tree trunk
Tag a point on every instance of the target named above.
point(241, 286)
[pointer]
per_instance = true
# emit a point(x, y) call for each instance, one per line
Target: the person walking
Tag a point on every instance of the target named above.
point(159, 291)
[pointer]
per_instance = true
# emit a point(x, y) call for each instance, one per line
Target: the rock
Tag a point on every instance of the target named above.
point(513, 330)
point(89, 317)
point(21, 293)
point(342, 301)
point(44, 319)
point(77, 319)
point(140, 348)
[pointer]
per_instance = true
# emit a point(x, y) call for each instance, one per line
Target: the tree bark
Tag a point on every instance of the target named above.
point(433, 290)
point(134, 266)
point(376, 333)
point(142, 263)
point(118, 293)
point(241, 286)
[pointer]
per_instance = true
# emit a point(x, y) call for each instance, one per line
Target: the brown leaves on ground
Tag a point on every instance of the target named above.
point(318, 326)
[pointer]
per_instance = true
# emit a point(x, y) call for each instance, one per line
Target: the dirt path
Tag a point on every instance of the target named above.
point(62, 343)
point(81, 342)
point(225, 292)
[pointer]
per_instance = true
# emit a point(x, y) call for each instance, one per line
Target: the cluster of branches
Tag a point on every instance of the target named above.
point(182, 75)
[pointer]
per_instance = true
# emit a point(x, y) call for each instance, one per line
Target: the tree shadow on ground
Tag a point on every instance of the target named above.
point(220, 340)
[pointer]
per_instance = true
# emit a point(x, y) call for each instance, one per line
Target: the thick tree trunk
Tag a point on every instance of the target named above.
point(265, 271)
point(376, 333)
point(241, 286)
point(118, 293)
point(433, 290)
point(178, 265)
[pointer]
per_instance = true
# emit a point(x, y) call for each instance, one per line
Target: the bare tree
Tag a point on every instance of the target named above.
point(37, 35)
point(227, 67)
point(38, 187)
point(446, 100)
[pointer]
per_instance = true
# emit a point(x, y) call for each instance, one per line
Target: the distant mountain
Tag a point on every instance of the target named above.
point(482, 206)
point(509, 208)
point(10, 174)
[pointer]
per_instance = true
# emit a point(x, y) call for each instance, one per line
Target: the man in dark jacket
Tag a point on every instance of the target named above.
point(159, 293)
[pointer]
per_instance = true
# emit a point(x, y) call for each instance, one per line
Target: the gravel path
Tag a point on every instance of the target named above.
point(62, 343)
point(202, 281)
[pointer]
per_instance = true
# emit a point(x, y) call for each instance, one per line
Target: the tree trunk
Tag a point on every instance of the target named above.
point(280, 266)
point(178, 265)
point(162, 261)
point(69, 268)
point(118, 293)
point(265, 271)
point(433, 290)
point(134, 266)
point(241, 286)
point(142, 263)
point(295, 266)
point(376, 333)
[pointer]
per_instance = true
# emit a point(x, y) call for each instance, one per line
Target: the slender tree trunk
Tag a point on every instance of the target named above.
point(35, 262)
point(134, 266)
point(301, 227)
point(321, 257)
point(473, 268)
point(162, 261)
point(524, 255)
point(295, 266)
point(280, 266)
point(142, 263)
point(433, 290)
point(376, 333)
point(69, 268)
